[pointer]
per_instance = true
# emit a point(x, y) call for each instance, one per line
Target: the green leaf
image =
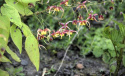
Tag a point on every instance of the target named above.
point(121, 27)
point(28, 1)
point(21, 7)
point(3, 39)
point(112, 68)
point(21, 74)
point(16, 36)
point(3, 73)
point(26, 30)
point(17, 70)
point(124, 16)
point(107, 32)
point(31, 46)
point(123, 60)
point(4, 59)
point(12, 14)
point(112, 61)
point(112, 53)
point(13, 55)
point(4, 31)
point(3, 44)
point(97, 52)
point(4, 23)
point(106, 57)
point(116, 36)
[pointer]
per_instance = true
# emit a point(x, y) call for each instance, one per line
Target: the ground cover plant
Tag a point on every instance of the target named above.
point(63, 23)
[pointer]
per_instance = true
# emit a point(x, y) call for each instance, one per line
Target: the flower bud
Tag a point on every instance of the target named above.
point(111, 8)
point(51, 39)
point(101, 17)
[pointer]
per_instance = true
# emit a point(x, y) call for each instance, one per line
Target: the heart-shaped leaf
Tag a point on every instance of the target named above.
point(12, 14)
point(16, 36)
point(26, 30)
point(21, 7)
point(31, 46)
point(13, 55)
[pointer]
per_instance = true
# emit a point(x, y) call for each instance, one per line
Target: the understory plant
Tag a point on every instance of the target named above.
point(117, 37)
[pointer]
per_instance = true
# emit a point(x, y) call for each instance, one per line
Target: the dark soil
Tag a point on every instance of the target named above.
point(74, 64)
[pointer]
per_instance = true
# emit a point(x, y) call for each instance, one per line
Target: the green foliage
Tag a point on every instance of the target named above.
point(112, 68)
point(123, 60)
point(31, 46)
point(12, 12)
point(3, 73)
point(106, 57)
point(4, 31)
point(4, 59)
point(28, 1)
point(98, 44)
point(117, 36)
point(26, 30)
point(13, 55)
point(22, 8)
point(16, 36)
point(15, 71)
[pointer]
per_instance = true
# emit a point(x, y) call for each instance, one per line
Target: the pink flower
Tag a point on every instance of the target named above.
point(92, 17)
point(64, 2)
point(55, 9)
point(82, 5)
point(74, 22)
point(101, 17)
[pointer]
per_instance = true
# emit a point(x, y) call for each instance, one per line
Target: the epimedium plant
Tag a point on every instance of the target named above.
point(12, 11)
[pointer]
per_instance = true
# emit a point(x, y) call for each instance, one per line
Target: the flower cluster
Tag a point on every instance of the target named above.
point(64, 29)
point(82, 5)
point(55, 9)
point(46, 33)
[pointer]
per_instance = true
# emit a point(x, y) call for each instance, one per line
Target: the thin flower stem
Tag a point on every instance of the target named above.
point(67, 50)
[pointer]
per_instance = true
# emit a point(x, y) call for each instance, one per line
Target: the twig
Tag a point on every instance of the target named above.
point(67, 51)
point(44, 71)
